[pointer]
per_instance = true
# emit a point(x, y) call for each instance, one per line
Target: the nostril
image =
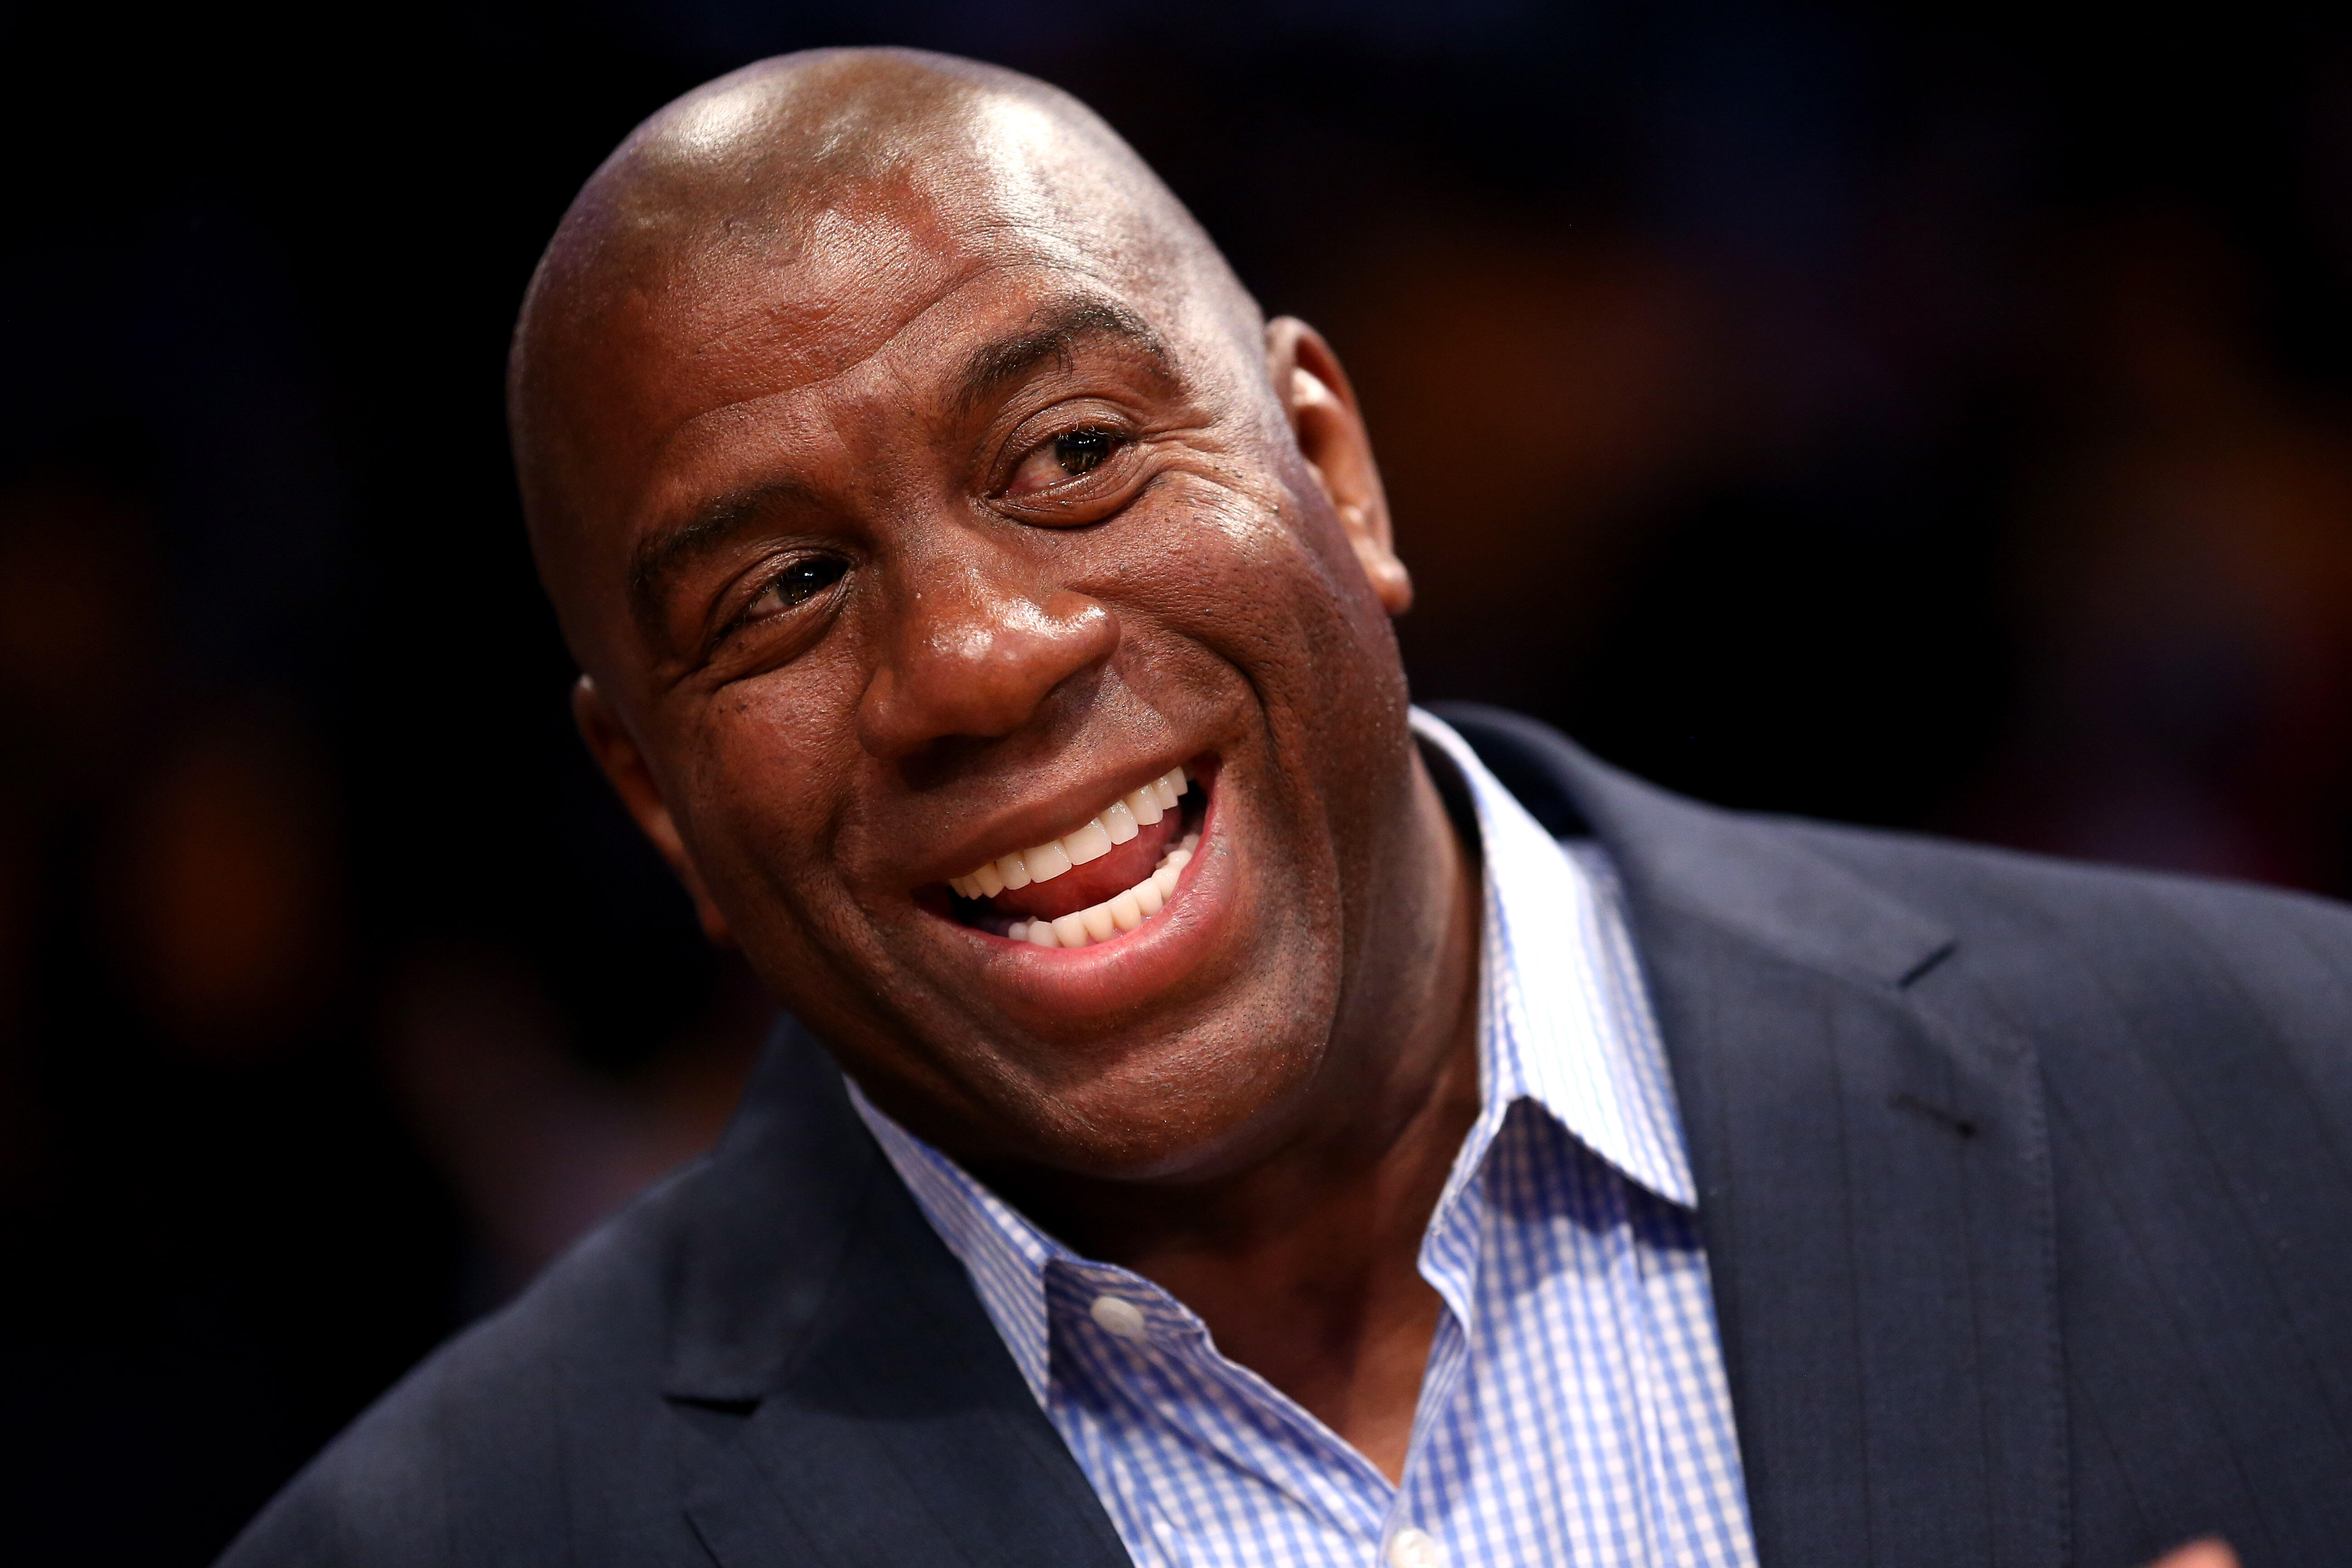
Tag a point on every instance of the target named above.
point(939, 761)
point(976, 666)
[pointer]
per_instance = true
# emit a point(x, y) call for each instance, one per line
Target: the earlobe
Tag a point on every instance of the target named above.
point(1330, 429)
point(617, 754)
point(1390, 582)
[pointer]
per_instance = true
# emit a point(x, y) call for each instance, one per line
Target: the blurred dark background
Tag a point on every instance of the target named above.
point(1938, 420)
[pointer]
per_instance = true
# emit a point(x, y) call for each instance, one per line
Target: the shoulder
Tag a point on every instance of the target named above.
point(2039, 912)
point(554, 1430)
point(2207, 971)
point(2225, 1004)
point(504, 1442)
point(2021, 917)
point(2150, 1081)
point(773, 1345)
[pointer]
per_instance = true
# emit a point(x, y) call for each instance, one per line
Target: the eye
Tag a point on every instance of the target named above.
point(1080, 451)
point(1068, 455)
point(797, 583)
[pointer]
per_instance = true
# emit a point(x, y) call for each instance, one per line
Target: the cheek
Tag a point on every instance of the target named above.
point(1273, 587)
point(1286, 603)
point(1258, 575)
point(765, 789)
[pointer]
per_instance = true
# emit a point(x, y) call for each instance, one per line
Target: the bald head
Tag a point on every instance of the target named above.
point(911, 475)
point(866, 170)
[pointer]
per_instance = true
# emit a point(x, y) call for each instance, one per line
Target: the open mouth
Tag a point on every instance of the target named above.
point(1100, 880)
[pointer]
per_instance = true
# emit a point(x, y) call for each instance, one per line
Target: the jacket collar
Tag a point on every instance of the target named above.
point(1873, 1168)
point(1676, 853)
point(777, 1202)
point(839, 1396)
point(1562, 1024)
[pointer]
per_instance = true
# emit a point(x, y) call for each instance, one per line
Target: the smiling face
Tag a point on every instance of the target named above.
point(908, 543)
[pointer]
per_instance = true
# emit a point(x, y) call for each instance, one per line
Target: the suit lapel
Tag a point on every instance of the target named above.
point(841, 1396)
point(1874, 1180)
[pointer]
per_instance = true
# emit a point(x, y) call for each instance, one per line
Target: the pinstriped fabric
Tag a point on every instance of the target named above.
point(1574, 1410)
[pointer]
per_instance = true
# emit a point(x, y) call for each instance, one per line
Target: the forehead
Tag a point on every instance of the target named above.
point(819, 280)
point(854, 282)
point(815, 252)
point(913, 386)
point(716, 327)
point(871, 321)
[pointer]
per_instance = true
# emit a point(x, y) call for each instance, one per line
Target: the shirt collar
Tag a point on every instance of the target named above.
point(1563, 1022)
point(1564, 1019)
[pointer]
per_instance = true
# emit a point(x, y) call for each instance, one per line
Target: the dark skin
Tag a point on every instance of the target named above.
point(852, 623)
point(911, 475)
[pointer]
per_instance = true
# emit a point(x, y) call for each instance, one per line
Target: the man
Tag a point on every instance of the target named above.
point(1281, 1127)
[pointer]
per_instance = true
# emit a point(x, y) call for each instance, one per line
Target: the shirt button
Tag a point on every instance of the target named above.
point(1412, 1548)
point(1117, 1315)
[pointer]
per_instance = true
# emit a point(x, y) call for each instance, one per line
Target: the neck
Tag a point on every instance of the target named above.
point(1305, 1264)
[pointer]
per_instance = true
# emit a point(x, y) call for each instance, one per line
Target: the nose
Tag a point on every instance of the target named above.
point(974, 654)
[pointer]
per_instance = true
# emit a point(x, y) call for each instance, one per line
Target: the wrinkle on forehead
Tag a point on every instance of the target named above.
point(791, 219)
point(1003, 182)
point(851, 282)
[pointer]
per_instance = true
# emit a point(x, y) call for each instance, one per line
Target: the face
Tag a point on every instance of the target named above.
point(917, 552)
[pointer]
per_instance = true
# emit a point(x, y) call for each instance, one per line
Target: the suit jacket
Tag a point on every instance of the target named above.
point(2027, 1189)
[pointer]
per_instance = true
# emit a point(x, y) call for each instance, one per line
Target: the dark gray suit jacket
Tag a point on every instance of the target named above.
point(2027, 1189)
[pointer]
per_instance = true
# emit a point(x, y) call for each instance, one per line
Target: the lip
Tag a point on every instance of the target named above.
point(1034, 824)
point(1106, 976)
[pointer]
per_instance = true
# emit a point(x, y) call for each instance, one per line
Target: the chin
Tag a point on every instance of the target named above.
point(1195, 1105)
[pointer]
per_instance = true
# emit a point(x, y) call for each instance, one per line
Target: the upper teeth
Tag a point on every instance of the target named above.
point(1115, 824)
point(1122, 911)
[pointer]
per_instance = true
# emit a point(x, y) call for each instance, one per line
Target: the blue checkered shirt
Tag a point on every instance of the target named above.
point(1574, 1410)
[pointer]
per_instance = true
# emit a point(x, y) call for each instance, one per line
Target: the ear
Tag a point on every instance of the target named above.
point(616, 753)
point(1329, 428)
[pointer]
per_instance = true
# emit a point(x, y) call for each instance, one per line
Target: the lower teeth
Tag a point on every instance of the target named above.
point(1114, 916)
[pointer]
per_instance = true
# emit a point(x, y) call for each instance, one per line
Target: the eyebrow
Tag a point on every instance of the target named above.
point(660, 554)
point(1051, 336)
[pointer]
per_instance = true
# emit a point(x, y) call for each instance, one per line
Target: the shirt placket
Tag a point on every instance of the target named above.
point(1145, 1354)
point(1415, 1532)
